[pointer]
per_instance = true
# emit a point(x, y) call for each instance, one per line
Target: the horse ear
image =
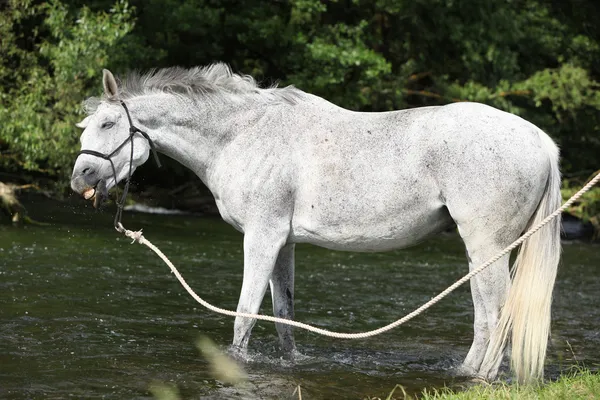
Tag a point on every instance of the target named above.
point(83, 124)
point(110, 84)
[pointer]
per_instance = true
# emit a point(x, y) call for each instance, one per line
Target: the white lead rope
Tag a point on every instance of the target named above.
point(138, 237)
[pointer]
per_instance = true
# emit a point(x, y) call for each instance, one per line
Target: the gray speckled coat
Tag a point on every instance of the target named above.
point(286, 167)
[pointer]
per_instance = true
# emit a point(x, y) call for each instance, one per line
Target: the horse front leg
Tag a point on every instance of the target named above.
point(282, 293)
point(261, 249)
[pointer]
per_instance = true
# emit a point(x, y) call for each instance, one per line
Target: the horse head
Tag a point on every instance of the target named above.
point(110, 148)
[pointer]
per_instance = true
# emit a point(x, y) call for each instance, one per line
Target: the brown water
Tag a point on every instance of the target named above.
point(85, 314)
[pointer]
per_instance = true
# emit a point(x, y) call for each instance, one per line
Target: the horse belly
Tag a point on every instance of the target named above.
point(361, 229)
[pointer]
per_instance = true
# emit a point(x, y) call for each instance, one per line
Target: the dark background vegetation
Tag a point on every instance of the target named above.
point(538, 59)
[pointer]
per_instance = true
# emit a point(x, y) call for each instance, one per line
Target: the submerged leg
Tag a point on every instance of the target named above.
point(487, 225)
point(488, 290)
point(282, 293)
point(261, 250)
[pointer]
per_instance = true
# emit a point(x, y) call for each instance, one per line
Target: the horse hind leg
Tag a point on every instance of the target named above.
point(488, 290)
point(485, 236)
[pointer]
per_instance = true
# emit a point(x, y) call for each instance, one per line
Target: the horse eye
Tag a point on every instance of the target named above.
point(107, 125)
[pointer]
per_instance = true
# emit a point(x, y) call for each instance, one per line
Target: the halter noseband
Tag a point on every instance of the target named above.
point(132, 131)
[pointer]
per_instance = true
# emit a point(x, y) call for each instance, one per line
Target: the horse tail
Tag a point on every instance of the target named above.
point(526, 313)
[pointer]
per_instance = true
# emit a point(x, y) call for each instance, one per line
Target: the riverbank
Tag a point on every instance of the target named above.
point(580, 384)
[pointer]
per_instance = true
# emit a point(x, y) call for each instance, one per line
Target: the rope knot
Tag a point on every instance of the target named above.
point(135, 236)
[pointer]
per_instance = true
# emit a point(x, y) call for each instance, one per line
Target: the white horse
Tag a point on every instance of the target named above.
point(287, 167)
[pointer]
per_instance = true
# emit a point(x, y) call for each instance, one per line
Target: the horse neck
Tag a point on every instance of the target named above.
point(190, 131)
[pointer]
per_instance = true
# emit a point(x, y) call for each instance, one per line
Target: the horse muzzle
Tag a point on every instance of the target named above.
point(90, 186)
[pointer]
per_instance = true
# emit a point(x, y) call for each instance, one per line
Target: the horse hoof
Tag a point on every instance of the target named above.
point(238, 353)
point(464, 371)
point(479, 380)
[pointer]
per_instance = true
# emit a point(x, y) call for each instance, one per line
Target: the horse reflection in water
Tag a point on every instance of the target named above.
point(288, 167)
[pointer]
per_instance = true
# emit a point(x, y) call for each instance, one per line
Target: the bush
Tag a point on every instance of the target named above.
point(46, 73)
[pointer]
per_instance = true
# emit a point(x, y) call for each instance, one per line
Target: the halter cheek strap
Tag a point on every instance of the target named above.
point(132, 131)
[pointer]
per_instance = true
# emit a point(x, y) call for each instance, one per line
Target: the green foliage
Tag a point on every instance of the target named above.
point(567, 88)
point(342, 67)
point(538, 59)
point(46, 80)
point(587, 208)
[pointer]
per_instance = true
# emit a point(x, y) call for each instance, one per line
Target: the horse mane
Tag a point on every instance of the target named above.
point(215, 82)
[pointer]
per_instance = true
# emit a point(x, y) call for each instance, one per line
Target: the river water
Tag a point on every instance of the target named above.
point(86, 314)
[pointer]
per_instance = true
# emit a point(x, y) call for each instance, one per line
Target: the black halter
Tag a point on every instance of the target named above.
point(132, 131)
